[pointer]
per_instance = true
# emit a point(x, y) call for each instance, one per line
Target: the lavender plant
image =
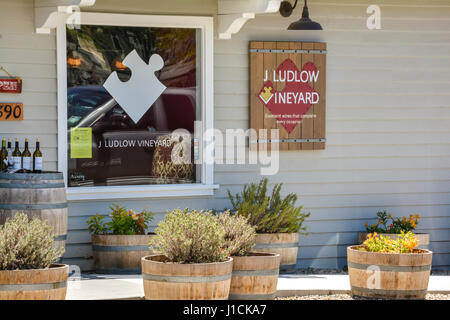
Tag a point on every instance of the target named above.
point(27, 244)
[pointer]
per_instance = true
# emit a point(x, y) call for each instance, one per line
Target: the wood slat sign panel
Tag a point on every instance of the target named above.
point(288, 93)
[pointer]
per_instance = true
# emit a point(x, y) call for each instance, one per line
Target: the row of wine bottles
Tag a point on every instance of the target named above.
point(16, 161)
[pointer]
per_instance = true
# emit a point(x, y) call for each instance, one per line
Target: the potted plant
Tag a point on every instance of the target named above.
point(277, 220)
point(28, 268)
point(255, 274)
point(393, 227)
point(119, 245)
point(193, 263)
point(391, 269)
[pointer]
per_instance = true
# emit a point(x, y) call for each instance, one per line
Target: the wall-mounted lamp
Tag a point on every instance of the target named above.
point(305, 23)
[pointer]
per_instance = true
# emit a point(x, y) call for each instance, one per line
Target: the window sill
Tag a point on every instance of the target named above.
point(135, 192)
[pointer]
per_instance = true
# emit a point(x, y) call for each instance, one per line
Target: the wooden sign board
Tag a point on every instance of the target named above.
point(288, 93)
point(10, 85)
point(11, 111)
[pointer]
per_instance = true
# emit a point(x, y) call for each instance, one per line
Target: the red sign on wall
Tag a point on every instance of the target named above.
point(10, 85)
point(290, 105)
point(288, 94)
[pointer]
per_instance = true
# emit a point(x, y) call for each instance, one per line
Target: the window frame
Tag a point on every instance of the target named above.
point(206, 186)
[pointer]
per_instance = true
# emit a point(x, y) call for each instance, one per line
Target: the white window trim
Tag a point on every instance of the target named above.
point(207, 186)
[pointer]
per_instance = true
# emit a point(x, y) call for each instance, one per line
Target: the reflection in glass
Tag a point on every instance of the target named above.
point(125, 152)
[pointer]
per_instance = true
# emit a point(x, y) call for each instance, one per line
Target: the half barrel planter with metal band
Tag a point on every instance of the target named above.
point(286, 244)
point(423, 238)
point(255, 277)
point(164, 280)
point(34, 284)
point(120, 253)
point(389, 275)
point(40, 195)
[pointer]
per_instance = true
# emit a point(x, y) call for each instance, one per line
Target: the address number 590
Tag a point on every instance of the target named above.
point(11, 111)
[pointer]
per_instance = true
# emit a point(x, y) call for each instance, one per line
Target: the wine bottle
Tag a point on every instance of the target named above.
point(10, 157)
point(37, 159)
point(17, 157)
point(3, 156)
point(26, 157)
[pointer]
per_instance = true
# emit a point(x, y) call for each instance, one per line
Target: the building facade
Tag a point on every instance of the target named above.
point(387, 118)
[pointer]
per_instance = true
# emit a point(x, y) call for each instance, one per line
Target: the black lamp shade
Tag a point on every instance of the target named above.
point(305, 24)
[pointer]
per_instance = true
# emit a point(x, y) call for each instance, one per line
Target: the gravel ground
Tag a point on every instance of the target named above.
point(341, 271)
point(349, 297)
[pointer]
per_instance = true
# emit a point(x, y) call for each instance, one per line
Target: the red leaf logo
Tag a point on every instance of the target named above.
point(289, 105)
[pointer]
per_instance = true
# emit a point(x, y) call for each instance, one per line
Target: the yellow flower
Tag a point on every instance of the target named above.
point(416, 216)
point(380, 222)
point(389, 216)
point(134, 217)
point(374, 225)
point(366, 225)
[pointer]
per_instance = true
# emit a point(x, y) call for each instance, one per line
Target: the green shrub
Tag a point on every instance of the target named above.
point(269, 214)
point(27, 244)
point(190, 237)
point(124, 222)
point(239, 234)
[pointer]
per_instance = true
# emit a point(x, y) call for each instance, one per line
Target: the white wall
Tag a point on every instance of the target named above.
point(388, 116)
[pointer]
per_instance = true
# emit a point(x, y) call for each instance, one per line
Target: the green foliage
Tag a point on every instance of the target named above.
point(190, 237)
point(269, 214)
point(239, 234)
point(124, 222)
point(388, 224)
point(27, 244)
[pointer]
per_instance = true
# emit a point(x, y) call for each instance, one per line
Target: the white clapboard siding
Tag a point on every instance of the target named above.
point(32, 57)
point(388, 110)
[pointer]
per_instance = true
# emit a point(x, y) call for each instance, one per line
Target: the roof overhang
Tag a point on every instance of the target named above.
point(47, 12)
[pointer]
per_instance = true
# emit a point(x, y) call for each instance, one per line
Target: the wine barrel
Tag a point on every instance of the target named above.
point(423, 238)
point(286, 244)
point(34, 284)
point(164, 280)
point(389, 275)
point(255, 276)
point(40, 195)
point(120, 253)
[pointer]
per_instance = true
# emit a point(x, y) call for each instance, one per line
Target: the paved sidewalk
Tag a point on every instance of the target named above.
point(105, 287)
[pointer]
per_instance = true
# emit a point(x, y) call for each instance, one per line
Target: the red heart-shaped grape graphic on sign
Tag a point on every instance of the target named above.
point(289, 105)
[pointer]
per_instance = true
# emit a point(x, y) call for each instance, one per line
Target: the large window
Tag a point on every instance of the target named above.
point(128, 89)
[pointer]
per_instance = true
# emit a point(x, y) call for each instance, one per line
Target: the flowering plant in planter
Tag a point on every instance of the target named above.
point(405, 243)
point(392, 227)
point(123, 222)
point(278, 221)
point(401, 269)
point(388, 224)
point(193, 260)
point(28, 259)
point(118, 245)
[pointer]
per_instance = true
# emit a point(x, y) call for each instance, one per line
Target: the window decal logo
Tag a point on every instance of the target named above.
point(139, 93)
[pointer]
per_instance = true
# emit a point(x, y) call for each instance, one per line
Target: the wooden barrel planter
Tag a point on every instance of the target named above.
point(255, 277)
point(40, 195)
point(389, 275)
point(120, 253)
point(34, 284)
point(286, 244)
point(164, 280)
point(423, 238)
